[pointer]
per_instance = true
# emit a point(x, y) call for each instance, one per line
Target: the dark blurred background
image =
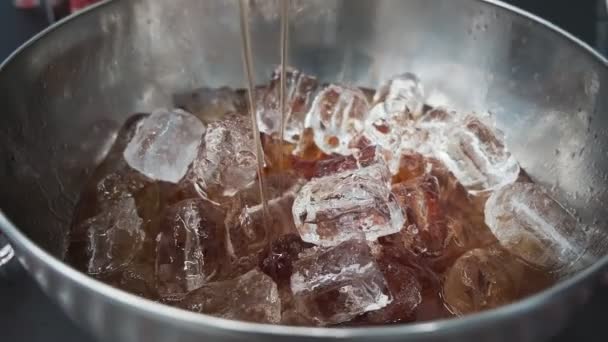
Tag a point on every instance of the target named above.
point(26, 314)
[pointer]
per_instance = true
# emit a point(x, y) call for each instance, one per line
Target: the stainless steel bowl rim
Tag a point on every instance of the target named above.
point(149, 307)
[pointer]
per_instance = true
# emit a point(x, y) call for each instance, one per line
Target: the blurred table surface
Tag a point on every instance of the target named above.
point(26, 314)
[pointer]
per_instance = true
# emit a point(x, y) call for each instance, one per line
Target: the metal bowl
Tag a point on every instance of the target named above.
point(66, 91)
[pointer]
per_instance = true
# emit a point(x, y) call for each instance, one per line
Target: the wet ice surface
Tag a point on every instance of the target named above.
point(477, 156)
point(347, 205)
point(226, 162)
point(335, 285)
point(189, 247)
point(299, 93)
point(533, 226)
point(402, 94)
point(165, 145)
point(248, 232)
point(251, 297)
point(337, 115)
point(114, 237)
point(425, 231)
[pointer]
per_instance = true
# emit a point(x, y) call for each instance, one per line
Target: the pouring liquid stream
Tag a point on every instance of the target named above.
point(248, 67)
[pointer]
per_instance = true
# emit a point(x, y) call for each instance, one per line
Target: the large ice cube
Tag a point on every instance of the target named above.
point(248, 232)
point(477, 156)
point(337, 163)
point(298, 97)
point(114, 237)
point(226, 163)
point(482, 279)
point(337, 284)
point(404, 276)
point(336, 116)
point(277, 261)
point(251, 297)
point(425, 231)
point(189, 248)
point(352, 204)
point(535, 227)
point(401, 94)
point(165, 145)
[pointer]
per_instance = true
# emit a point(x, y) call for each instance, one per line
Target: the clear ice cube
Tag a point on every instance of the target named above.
point(165, 145)
point(277, 261)
point(248, 232)
point(251, 297)
point(402, 94)
point(337, 163)
point(482, 279)
point(189, 248)
point(337, 284)
point(477, 156)
point(533, 226)
point(226, 162)
point(425, 230)
point(405, 288)
point(114, 237)
point(298, 97)
point(352, 204)
point(336, 116)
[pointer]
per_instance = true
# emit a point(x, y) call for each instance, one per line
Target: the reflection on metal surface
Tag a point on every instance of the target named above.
point(6, 254)
point(547, 92)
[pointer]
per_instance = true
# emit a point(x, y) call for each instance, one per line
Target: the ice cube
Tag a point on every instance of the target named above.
point(306, 149)
point(226, 162)
point(124, 135)
point(477, 156)
point(411, 165)
point(248, 232)
point(251, 297)
point(189, 248)
point(165, 145)
point(337, 284)
point(533, 226)
point(336, 116)
point(401, 94)
point(405, 288)
point(114, 237)
point(482, 279)
point(136, 278)
point(277, 261)
point(337, 163)
point(425, 231)
point(387, 131)
point(299, 89)
point(210, 104)
point(352, 204)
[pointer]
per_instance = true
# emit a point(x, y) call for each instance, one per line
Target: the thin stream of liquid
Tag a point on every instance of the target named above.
point(284, 41)
point(248, 66)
